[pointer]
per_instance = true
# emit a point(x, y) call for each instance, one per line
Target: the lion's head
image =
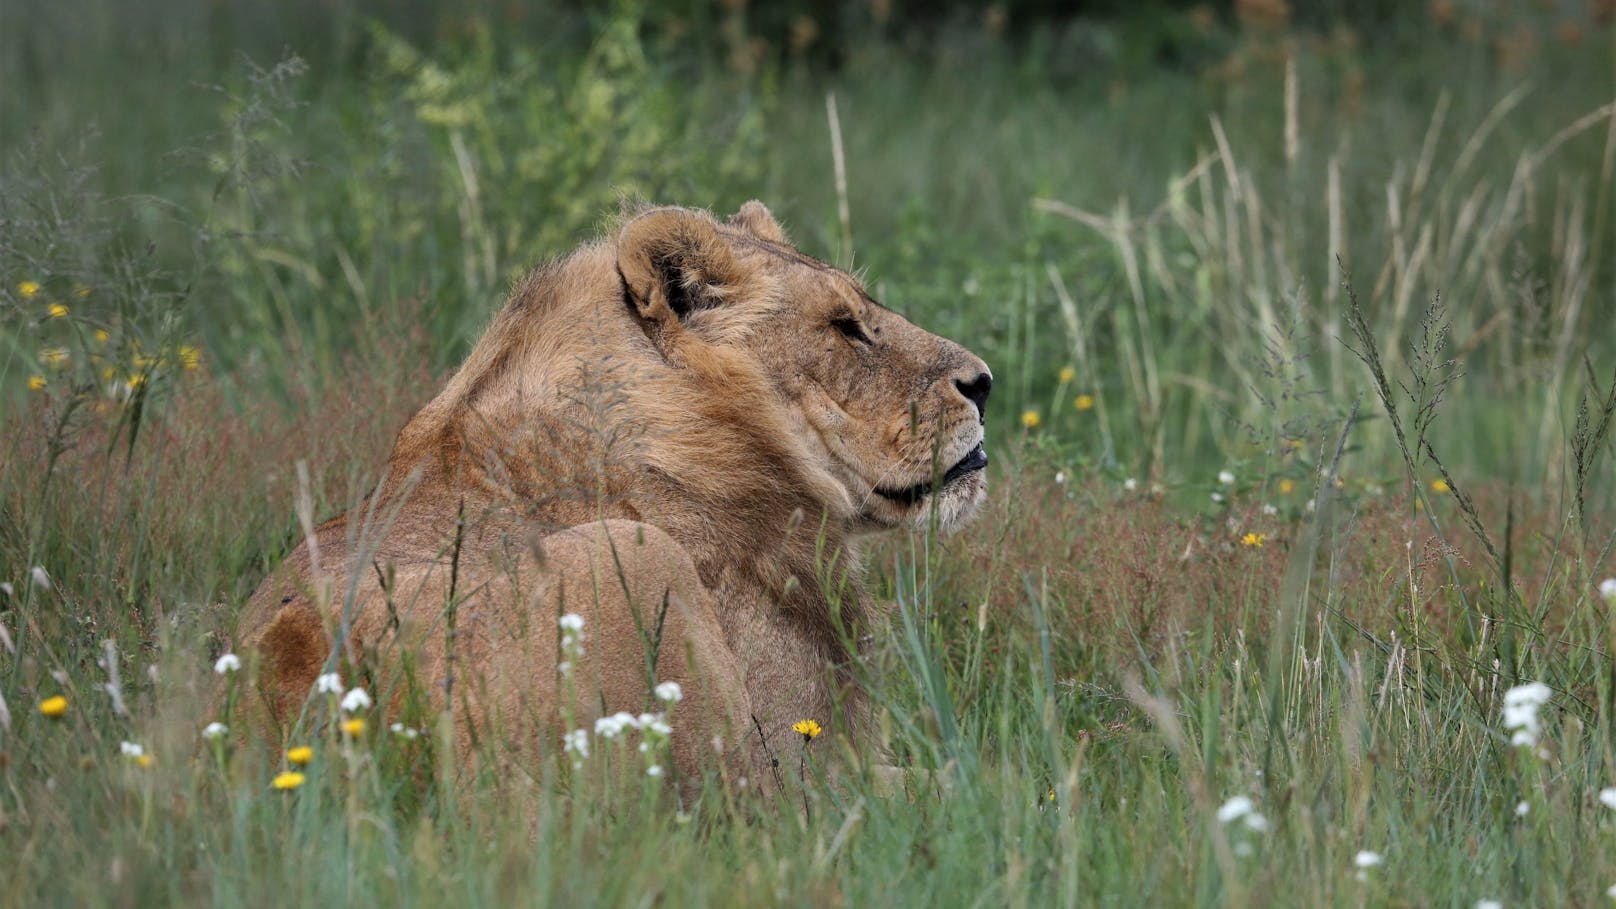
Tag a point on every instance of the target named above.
point(891, 414)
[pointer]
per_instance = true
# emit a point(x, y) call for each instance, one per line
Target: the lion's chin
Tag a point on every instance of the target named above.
point(957, 503)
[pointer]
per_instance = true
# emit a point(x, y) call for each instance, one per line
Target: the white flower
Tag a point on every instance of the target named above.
point(654, 770)
point(577, 743)
point(214, 730)
point(1311, 505)
point(669, 692)
point(1489, 904)
point(659, 727)
point(6, 588)
point(1130, 484)
point(227, 663)
point(1607, 797)
point(612, 726)
point(1226, 478)
point(1217, 497)
point(40, 577)
point(1060, 478)
point(1521, 704)
point(403, 730)
point(130, 749)
point(1522, 809)
point(1269, 510)
point(571, 623)
point(1607, 589)
point(1257, 822)
point(329, 683)
point(1367, 859)
point(1234, 809)
point(356, 699)
point(1611, 892)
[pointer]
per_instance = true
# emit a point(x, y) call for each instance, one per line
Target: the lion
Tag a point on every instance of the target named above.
point(682, 434)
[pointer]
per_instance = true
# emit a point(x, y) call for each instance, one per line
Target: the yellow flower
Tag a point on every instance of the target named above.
point(1440, 486)
point(1254, 539)
point(143, 761)
point(82, 290)
point(101, 335)
point(1084, 402)
point(808, 729)
point(1030, 419)
point(35, 383)
point(28, 289)
point(1067, 374)
point(57, 310)
point(300, 755)
point(53, 356)
point(291, 779)
point(190, 357)
point(353, 726)
point(1286, 487)
point(53, 707)
point(136, 380)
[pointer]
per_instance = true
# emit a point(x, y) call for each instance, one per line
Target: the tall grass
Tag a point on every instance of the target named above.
point(1373, 286)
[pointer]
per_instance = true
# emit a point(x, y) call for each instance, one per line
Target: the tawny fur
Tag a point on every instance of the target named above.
point(690, 422)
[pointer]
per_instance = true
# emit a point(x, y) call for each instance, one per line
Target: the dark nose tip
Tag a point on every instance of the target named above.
point(976, 391)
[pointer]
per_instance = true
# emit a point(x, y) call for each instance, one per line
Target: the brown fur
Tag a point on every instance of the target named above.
point(685, 423)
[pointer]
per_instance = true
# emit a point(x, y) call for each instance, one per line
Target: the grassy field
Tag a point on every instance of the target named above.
point(1305, 348)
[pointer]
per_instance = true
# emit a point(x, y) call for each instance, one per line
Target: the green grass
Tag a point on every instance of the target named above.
point(331, 208)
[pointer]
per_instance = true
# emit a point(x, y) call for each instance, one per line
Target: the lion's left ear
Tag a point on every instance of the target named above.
point(755, 218)
point(675, 263)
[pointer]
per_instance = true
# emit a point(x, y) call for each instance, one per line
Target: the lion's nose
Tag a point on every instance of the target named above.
point(976, 391)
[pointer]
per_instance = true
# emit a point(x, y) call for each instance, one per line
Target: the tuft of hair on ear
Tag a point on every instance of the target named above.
point(673, 262)
point(754, 218)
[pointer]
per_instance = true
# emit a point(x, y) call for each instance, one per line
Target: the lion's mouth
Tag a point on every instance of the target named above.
point(974, 460)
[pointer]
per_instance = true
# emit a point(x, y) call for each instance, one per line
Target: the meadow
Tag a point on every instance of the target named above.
point(1305, 355)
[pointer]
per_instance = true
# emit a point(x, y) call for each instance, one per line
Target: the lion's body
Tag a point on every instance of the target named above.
point(621, 445)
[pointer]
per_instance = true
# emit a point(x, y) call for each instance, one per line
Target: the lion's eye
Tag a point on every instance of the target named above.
point(851, 329)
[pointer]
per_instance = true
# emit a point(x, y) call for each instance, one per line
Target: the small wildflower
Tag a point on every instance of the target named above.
point(214, 730)
point(1522, 809)
point(1067, 374)
point(1130, 484)
point(36, 383)
point(400, 729)
point(1607, 589)
point(1269, 510)
point(356, 699)
point(1521, 704)
point(136, 754)
point(54, 356)
point(190, 357)
point(227, 664)
point(571, 623)
point(353, 726)
point(1254, 540)
point(289, 780)
point(1030, 419)
point(57, 310)
point(1083, 402)
point(40, 576)
point(81, 291)
point(1060, 478)
point(610, 727)
point(1217, 498)
point(1439, 486)
point(655, 770)
point(102, 335)
point(135, 381)
point(6, 588)
point(300, 755)
point(669, 692)
point(1607, 797)
point(1235, 809)
point(1365, 860)
point(1287, 486)
point(808, 729)
point(1489, 904)
point(1225, 478)
point(576, 744)
point(53, 707)
point(328, 683)
point(28, 289)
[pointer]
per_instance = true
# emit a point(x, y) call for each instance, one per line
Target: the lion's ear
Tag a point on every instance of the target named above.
point(674, 262)
point(755, 219)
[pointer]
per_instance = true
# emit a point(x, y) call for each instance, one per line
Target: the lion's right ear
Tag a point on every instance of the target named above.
point(756, 219)
point(674, 262)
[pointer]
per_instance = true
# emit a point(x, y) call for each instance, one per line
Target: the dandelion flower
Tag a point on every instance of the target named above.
point(289, 780)
point(40, 576)
point(227, 664)
point(57, 310)
point(300, 755)
point(214, 730)
point(808, 729)
point(1254, 540)
point(1607, 797)
point(53, 707)
point(36, 383)
point(329, 683)
point(1030, 419)
point(1287, 486)
point(355, 699)
point(1607, 589)
point(28, 289)
point(1083, 402)
point(1440, 486)
point(1067, 374)
point(669, 692)
point(353, 726)
point(102, 335)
